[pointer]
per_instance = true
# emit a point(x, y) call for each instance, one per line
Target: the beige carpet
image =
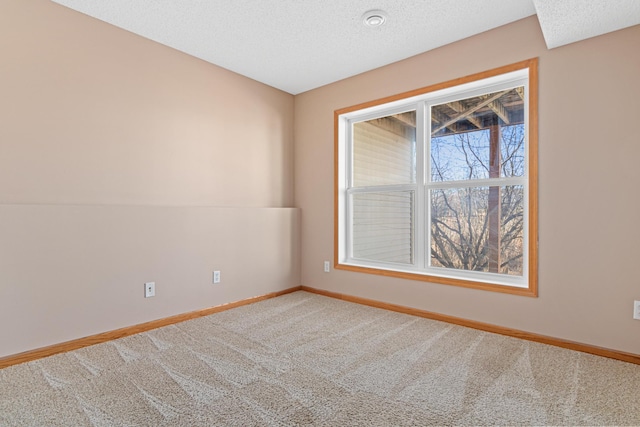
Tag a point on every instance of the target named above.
point(304, 359)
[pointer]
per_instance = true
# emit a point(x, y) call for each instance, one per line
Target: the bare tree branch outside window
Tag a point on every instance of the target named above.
point(461, 215)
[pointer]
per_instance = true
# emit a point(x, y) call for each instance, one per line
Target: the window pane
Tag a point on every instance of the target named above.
point(384, 150)
point(383, 226)
point(460, 156)
point(478, 229)
point(478, 138)
point(512, 151)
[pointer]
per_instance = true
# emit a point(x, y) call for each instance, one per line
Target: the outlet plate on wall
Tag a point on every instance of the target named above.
point(636, 310)
point(216, 276)
point(327, 266)
point(150, 289)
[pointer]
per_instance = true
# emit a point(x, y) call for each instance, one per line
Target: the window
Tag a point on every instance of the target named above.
point(440, 184)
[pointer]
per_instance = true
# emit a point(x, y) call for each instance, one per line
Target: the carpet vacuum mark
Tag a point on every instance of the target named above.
point(307, 360)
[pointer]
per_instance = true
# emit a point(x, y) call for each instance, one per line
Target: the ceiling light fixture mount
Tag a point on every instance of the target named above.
point(374, 18)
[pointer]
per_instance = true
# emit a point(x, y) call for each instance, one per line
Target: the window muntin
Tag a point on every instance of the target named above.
point(447, 202)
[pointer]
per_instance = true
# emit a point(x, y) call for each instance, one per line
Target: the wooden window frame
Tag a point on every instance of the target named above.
point(531, 288)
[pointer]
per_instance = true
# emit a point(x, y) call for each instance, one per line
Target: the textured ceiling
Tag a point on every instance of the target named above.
point(297, 45)
point(568, 21)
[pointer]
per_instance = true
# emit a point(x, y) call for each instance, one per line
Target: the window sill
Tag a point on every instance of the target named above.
point(530, 291)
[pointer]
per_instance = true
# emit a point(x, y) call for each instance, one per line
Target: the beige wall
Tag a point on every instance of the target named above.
point(72, 271)
point(124, 161)
point(95, 114)
point(588, 181)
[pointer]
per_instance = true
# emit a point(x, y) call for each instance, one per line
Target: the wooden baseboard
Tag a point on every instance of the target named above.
point(51, 350)
point(585, 348)
point(154, 324)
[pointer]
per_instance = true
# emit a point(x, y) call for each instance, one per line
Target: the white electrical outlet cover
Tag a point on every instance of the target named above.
point(149, 289)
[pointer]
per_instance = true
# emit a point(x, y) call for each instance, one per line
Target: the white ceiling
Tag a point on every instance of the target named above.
point(568, 21)
point(298, 45)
